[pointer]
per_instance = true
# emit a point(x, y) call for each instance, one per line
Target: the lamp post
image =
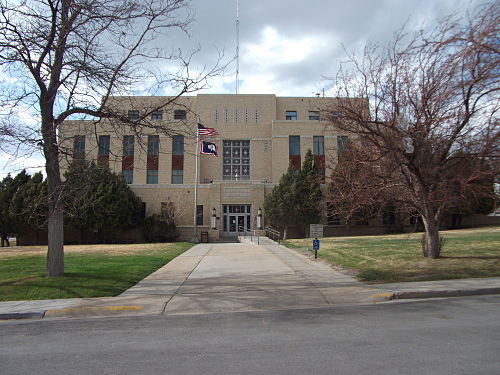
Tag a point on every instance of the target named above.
point(213, 219)
point(259, 218)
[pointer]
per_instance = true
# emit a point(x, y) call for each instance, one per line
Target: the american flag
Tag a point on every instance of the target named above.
point(203, 130)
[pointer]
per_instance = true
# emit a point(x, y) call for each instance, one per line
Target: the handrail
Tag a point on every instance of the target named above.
point(275, 233)
point(250, 233)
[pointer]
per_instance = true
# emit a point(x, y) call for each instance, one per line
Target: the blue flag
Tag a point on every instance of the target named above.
point(208, 148)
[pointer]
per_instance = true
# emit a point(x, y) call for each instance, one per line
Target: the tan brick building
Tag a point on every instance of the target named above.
point(258, 137)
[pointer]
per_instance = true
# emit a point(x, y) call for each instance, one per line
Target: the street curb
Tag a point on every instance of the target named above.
point(389, 296)
point(83, 311)
point(22, 315)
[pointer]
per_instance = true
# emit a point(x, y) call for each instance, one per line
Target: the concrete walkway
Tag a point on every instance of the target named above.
point(229, 277)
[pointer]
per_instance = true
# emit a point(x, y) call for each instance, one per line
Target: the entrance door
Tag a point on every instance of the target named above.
point(235, 218)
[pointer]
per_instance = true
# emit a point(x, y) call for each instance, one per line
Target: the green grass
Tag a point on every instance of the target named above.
point(87, 274)
point(393, 258)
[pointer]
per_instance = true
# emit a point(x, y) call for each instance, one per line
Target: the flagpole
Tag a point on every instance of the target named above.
point(195, 237)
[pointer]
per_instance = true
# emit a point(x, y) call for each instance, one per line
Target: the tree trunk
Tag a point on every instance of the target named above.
point(55, 252)
point(432, 236)
point(285, 232)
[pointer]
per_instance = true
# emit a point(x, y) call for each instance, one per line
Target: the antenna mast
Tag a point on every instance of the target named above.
point(237, 44)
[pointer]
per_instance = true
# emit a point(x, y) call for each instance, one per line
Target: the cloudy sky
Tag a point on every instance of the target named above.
point(287, 47)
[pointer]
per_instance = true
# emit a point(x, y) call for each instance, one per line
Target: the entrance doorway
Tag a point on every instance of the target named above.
point(235, 216)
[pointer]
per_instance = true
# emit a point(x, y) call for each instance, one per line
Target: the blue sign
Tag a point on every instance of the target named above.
point(315, 244)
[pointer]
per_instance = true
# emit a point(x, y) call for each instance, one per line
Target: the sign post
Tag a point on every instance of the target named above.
point(316, 248)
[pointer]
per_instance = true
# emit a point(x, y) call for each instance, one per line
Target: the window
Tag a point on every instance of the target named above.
point(103, 144)
point(236, 160)
point(341, 141)
point(153, 144)
point(294, 145)
point(178, 145)
point(179, 114)
point(199, 214)
point(336, 114)
point(133, 115)
point(177, 176)
point(128, 175)
point(157, 115)
point(318, 145)
point(314, 115)
point(152, 176)
point(128, 145)
point(291, 115)
point(79, 146)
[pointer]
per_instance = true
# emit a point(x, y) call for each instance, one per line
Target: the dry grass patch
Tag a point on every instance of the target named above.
point(392, 258)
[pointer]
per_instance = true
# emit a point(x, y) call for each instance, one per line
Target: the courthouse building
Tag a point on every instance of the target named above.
point(258, 137)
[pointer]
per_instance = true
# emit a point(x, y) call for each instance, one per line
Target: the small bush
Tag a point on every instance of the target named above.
point(157, 229)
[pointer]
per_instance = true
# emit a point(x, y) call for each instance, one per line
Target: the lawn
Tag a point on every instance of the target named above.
point(391, 258)
point(90, 270)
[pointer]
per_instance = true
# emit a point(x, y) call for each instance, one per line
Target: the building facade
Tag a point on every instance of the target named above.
point(259, 136)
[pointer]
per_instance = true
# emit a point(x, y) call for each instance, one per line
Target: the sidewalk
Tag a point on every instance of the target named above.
point(230, 277)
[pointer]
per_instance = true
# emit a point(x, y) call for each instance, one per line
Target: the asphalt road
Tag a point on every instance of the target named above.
point(445, 336)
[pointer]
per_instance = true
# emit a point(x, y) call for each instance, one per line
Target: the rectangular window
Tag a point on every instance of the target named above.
point(133, 115)
point(103, 143)
point(294, 145)
point(179, 114)
point(291, 115)
point(177, 176)
point(341, 141)
point(314, 115)
point(199, 215)
point(152, 176)
point(128, 145)
point(236, 160)
point(79, 147)
point(336, 114)
point(178, 145)
point(128, 175)
point(318, 145)
point(157, 115)
point(153, 144)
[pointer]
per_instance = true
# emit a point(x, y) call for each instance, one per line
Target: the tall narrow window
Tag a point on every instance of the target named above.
point(318, 145)
point(153, 144)
point(178, 159)
point(103, 143)
point(294, 151)
point(178, 145)
point(341, 141)
point(128, 145)
point(128, 158)
point(103, 149)
point(291, 115)
point(319, 155)
point(152, 160)
point(199, 215)
point(79, 147)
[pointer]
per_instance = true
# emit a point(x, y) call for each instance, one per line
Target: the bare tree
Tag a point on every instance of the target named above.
point(429, 99)
point(62, 58)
